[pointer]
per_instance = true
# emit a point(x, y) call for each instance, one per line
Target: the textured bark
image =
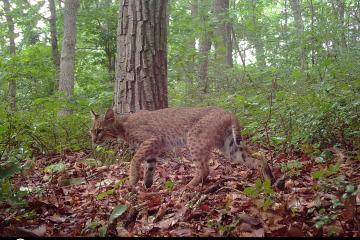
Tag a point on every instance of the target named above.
point(299, 24)
point(341, 6)
point(223, 43)
point(110, 50)
point(204, 49)
point(313, 46)
point(141, 60)
point(257, 39)
point(12, 51)
point(285, 32)
point(339, 11)
point(67, 61)
point(54, 41)
point(194, 9)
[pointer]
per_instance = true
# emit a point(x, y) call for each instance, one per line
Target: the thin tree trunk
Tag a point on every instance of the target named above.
point(223, 43)
point(12, 51)
point(286, 29)
point(339, 10)
point(141, 60)
point(299, 24)
point(67, 61)
point(205, 46)
point(313, 47)
point(109, 49)
point(256, 38)
point(191, 65)
point(54, 41)
point(194, 9)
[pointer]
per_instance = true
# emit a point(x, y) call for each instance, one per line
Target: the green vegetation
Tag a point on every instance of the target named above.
point(295, 89)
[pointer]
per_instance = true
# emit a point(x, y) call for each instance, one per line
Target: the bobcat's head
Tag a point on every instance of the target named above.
point(103, 128)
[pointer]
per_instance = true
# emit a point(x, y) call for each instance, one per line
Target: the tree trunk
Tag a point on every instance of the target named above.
point(12, 51)
point(54, 41)
point(285, 32)
point(339, 11)
point(223, 42)
point(299, 24)
point(141, 60)
point(110, 50)
point(341, 5)
point(194, 9)
point(204, 47)
point(67, 61)
point(256, 38)
point(313, 41)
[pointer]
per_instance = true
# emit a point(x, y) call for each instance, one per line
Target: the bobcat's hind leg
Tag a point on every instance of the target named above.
point(148, 150)
point(201, 172)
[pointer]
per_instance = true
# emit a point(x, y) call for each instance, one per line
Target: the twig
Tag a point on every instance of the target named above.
point(200, 200)
point(229, 188)
point(215, 186)
point(269, 119)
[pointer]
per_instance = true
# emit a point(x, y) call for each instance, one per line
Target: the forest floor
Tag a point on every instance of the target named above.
point(79, 197)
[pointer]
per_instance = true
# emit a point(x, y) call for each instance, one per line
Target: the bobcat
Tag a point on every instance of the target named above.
point(200, 129)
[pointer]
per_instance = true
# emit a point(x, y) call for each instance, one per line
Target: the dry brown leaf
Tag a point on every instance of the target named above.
point(167, 223)
point(40, 231)
point(182, 232)
point(161, 212)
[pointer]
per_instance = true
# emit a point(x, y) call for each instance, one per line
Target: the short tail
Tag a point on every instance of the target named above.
point(233, 146)
point(235, 130)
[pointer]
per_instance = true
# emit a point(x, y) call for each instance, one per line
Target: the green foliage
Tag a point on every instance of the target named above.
point(292, 167)
point(261, 191)
point(326, 172)
point(169, 185)
point(111, 191)
point(117, 212)
point(8, 194)
point(55, 168)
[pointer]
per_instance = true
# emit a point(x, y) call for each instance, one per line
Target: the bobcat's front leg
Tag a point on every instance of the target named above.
point(149, 170)
point(148, 150)
point(201, 172)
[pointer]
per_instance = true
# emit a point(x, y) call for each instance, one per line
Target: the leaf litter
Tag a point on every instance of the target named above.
point(81, 197)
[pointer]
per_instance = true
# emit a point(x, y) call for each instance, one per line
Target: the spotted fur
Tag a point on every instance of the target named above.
point(201, 130)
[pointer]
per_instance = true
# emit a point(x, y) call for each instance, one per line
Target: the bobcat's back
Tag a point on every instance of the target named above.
point(169, 124)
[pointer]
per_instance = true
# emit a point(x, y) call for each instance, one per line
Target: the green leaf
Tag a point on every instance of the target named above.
point(105, 194)
point(10, 170)
point(169, 185)
point(258, 184)
point(119, 183)
point(350, 188)
point(251, 192)
point(55, 168)
point(267, 187)
point(118, 210)
point(102, 231)
point(76, 181)
point(317, 174)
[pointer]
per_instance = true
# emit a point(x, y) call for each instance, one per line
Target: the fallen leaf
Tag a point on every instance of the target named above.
point(184, 232)
point(57, 219)
point(118, 211)
point(40, 231)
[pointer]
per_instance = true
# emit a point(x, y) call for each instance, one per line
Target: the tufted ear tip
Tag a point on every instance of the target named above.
point(110, 115)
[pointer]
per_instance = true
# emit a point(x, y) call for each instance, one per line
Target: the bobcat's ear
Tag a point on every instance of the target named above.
point(109, 115)
point(94, 115)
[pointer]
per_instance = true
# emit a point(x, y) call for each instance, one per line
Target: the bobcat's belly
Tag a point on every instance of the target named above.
point(172, 141)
